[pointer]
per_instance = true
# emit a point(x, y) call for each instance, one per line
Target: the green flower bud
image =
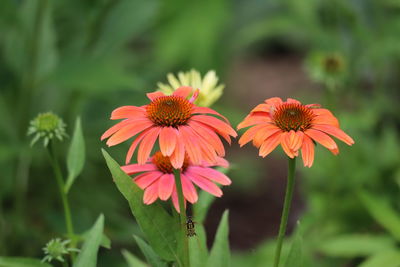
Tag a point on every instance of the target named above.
point(46, 126)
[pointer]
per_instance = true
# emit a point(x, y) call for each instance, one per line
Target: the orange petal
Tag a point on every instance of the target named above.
point(167, 140)
point(307, 151)
point(321, 138)
point(285, 143)
point(191, 146)
point(116, 127)
point(154, 95)
point(134, 144)
point(183, 91)
point(128, 112)
point(208, 135)
point(264, 133)
point(261, 108)
point(178, 156)
point(216, 124)
point(336, 132)
point(128, 132)
point(324, 116)
point(189, 191)
point(274, 101)
point(254, 119)
point(291, 100)
point(270, 144)
point(205, 110)
point(166, 186)
point(147, 145)
point(150, 194)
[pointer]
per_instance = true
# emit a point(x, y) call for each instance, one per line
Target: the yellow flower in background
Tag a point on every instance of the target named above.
point(210, 90)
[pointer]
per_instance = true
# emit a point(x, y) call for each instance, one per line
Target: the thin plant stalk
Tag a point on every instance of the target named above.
point(286, 209)
point(63, 195)
point(182, 215)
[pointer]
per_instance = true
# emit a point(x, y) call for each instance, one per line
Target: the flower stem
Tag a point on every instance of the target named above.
point(286, 209)
point(61, 186)
point(182, 215)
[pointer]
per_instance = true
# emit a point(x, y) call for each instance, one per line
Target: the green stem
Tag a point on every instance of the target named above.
point(286, 209)
point(183, 219)
point(61, 187)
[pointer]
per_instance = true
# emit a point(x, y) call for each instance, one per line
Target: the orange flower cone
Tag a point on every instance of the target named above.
point(294, 126)
point(156, 177)
point(179, 126)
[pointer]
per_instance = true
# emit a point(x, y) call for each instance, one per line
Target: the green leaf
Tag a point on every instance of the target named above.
point(21, 262)
point(132, 260)
point(295, 258)
point(382, 212)
point(76, 155)
point(88, 255)
point(202, 206)
point(149, 253)
point(105, 240)
point(157, 225)
point(220, 254)
point(198, 252)
point(383, 259)
point(356, 245)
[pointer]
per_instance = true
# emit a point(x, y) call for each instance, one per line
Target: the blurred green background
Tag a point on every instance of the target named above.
point(87, 57)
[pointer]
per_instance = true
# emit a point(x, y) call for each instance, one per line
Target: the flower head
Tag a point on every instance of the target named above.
point(156, 177)
point(56, 249)
point(210, 91)
point(179, 126)
point(47, 126)
point(294, 126)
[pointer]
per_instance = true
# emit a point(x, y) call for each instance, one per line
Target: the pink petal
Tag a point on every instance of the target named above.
point(134, 144)
point(291, 100)
point(136, 168)
point(254, 119)
point(205, 184)
point(183, 91)
point(250, 134)
point(178, 156)
point(307, 151)
point(145, 179)
point(150, 194)
point(128, 131)
point(205, 110)
point(211, 174)
point(116, 127)
point(265, 132)
point(152, 96)
point(321, 138)
point(208, 135)
point(215, 123)
point(128, 112)
point(167, 140)
point(166, 186)
point(147, 145)
point(175, 200)
point(189, 192)
point(285, 144)
point(191, 144)
point(194, 96)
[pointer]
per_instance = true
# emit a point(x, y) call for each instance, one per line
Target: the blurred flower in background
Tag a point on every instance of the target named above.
point(210, 90)
point(47, 126)
point(56, 249)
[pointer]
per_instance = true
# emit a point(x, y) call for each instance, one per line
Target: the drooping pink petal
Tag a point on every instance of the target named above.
point(321, 138)
point(152, 96)
point(145, 179)
point(128, 112)
point(250, 134)
point(194, 96)
point(134, 144)
point(189, 191)
point(211, 174)
point(286, 145)
point(183, 91)
point(215, 123)
point(136, 168)
point(147, 145)
point(307, 151)
point(167, 140)
point(178, 156)
point(265, 132)
point(128, 132)
point(175, 200)
point(150, 194)
point(116, 127)
point(334, 131)
point(270, 144)
point(166, 186)
point(208, 135)
point(191, 146)
point(254, 119)
point(205, 184)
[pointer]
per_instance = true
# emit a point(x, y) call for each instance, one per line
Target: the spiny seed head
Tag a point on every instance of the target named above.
point(164, 165)
point(57, 249)
point(293, 116)
point(169, 111)
point(47, 126)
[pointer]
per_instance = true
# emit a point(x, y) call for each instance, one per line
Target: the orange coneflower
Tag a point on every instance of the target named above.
point(179, 125)
point(294, 126)
point(157, 178)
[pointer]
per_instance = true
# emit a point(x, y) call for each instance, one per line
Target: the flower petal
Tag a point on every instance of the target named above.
point(166, 186)
point(205, 184)
point(215, 123)
point(321, 138)
point(270, 144)
point(307, 151)
point(152, 96)
point(136, 168)
point(150, 194)
point(134, 144)
point(175, 200)
point(206, 133)
point(254, 119)
point(189, 191)
point(167, 140)
point(274, 101)
point(183, 91)
point(128, 112)
point(205, 110)
point(178, 156)
point(285, 143)
point(146, 179)
point(147, 145)
point(250, 134)
point(336, 132)
point(211, 174)
point(128, 131)
point(264, 133)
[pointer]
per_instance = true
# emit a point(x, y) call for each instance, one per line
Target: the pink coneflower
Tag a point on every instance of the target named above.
point(179, 125)
point(294, 126)
point(157, 178)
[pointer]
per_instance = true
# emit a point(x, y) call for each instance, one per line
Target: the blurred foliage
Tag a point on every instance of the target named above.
point(89, 56)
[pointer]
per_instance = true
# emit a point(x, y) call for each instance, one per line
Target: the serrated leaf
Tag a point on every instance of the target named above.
point(132, 260)
point(157, 225)
point(383, 259)
point(220, 253)
point(382, 212)
point(21, 262)
point(76, 155)
point(295, 258)
point(88, 255)
point(149, 253)
point(356, 245)
point(198, 252)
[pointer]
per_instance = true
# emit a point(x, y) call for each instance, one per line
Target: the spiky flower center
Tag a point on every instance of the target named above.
point(293, 116)
point(47, 122)
point(169, 111)
point(164, 165)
